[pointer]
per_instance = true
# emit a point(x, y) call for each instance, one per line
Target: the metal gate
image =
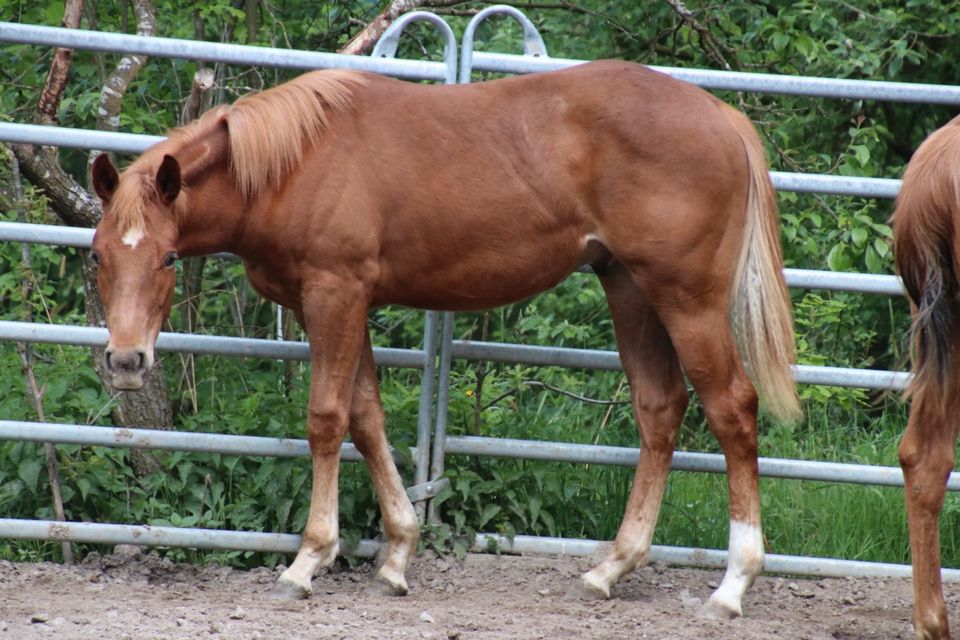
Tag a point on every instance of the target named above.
point(434, 358)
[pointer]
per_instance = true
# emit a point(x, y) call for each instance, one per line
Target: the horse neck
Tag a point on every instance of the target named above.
point(213, 216)
point(210, 216)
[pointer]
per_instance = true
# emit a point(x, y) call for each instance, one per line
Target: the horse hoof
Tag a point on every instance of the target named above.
point(288, 590)
point(381, 586)
point(584, 590)
point(716, 610)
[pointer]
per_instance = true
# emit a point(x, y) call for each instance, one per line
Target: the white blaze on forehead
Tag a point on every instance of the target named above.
point(133, 237)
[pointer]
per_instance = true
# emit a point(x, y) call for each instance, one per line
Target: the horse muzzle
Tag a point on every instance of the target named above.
point(127, 366)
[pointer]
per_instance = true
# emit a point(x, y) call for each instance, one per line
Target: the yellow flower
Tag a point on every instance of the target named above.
point(469, 393)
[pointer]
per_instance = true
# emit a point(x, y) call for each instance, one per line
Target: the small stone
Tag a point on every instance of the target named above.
point(713, 584)
point(793, 586)
point(181, 622)
point(127, 550)
point(849, 600)
point(426, 617)
point(238, 614)
point(689, 601)
point(39, 618)
point(544, 592)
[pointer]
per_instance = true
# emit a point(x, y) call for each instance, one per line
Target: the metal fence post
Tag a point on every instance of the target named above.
point(425, 486)
point(532, 46)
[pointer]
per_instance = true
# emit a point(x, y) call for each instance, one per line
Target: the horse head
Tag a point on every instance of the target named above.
point(134, 251)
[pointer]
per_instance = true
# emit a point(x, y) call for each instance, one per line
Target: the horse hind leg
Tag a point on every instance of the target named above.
point(927, 456)
point(659, 397)
point(703, 339)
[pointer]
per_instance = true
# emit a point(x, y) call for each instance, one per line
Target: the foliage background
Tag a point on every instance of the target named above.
point(905, 41)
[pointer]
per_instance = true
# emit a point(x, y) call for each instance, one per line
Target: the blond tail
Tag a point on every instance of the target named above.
point(760, 308)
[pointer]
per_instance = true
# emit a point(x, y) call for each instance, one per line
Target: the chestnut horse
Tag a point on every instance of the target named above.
point(926, 231)
point(343, 191)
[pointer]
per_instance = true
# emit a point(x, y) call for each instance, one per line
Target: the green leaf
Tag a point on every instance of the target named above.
point(780, 41)
point(837, 259)
point(881, 247)
point(488, 513)
point(29, 471)
point(861, 153)
point(84, 485)
point(874, 263)
point(859, 236)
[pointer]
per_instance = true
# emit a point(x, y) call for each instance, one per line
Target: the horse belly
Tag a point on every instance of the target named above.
point(480, 281)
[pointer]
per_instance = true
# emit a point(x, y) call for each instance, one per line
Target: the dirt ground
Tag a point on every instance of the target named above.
point(135, 595)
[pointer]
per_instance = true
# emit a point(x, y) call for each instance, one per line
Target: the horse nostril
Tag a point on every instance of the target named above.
point(125, 360)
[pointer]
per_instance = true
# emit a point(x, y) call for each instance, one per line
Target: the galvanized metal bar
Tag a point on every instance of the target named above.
point(78, 138)
point(189, 343)
point(536, 355)
point(533, 45)
point(428, 381)
point(838, 281)
point(427, 490)
point(389, 41)
point(215, 52)
point(438, 453)
point(818, 471)
point(221, 540)
point(610, 361)
point(443, 395)
point(46, 234)
point(708, 558)
point(847, 377)
point(836, 185)
point(216, 539)
point(480, 61)
point(131, 438)
point(742, 81)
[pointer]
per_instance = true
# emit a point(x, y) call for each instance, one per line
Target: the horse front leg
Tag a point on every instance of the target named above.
point(926, 456)
point(334, 315)
point(400, 523)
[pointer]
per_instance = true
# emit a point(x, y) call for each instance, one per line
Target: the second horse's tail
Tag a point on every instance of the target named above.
point(925, 249)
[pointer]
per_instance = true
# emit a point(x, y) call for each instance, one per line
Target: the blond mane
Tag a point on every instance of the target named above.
point(268, 132)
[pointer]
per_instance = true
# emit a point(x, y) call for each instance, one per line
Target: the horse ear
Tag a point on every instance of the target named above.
point(105, 177)
point(168, 179)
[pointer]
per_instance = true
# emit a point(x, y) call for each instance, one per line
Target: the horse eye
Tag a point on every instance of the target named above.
point(170, 259)
point(95, 258)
